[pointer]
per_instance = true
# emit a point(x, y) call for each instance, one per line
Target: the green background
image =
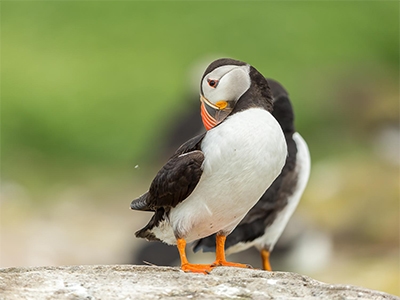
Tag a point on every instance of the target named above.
point(90, 88)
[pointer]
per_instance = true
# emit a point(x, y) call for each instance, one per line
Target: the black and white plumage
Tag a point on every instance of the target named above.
point(265, 222)
point(214, 179)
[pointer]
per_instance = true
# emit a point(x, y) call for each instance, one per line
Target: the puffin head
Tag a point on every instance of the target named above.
point(224, 83)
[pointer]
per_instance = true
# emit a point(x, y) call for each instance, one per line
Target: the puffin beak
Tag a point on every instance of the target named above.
point(213, 114)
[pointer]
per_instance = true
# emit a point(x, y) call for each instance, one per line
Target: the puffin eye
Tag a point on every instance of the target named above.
point(212, 82)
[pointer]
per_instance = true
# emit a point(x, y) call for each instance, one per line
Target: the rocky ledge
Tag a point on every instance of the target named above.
point(150, 282)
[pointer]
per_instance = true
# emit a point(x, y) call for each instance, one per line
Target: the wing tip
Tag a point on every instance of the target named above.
point(140, 203)
point(147, 234)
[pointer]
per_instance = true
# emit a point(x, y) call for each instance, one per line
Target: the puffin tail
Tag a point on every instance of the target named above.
point(141, 203)
point(147, 232)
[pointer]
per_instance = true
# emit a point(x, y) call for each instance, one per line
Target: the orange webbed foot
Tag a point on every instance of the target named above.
point(225, 263)
point(220, 259)
point(185, 265)
point(196, 268)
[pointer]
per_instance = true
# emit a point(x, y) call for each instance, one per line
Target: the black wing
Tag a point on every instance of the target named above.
point(176, 180)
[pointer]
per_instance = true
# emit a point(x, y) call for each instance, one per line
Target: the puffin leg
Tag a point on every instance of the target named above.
point(265, 260)
point(220, 254)
point(185, 265)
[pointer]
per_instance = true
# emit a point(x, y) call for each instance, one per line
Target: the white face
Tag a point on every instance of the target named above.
point(226, 83)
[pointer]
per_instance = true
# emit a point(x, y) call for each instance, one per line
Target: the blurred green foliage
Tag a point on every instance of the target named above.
point(92, 85)
point(95, 81)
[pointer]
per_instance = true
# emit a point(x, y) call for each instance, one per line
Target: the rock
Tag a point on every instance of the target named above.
point(151, 282)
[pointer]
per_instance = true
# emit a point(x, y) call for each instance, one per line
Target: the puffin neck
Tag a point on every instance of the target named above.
point(258, 95)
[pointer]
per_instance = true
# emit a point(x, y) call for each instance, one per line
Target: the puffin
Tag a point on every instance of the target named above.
point(211, 182)
point(265, 222)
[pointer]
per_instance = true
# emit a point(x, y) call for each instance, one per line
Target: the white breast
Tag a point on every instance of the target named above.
point(274, 231)
point(243, 156)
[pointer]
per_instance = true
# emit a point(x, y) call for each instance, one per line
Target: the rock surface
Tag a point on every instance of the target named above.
point(150, 282)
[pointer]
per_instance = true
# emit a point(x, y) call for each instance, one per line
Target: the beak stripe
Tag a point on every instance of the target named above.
point(213, 114)
point(208, 121)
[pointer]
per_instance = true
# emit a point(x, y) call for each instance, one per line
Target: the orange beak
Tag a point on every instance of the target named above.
point(213, 114)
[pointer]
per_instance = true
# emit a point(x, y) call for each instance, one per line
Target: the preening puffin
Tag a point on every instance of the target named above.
point(265, 222)
point(214, 179)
